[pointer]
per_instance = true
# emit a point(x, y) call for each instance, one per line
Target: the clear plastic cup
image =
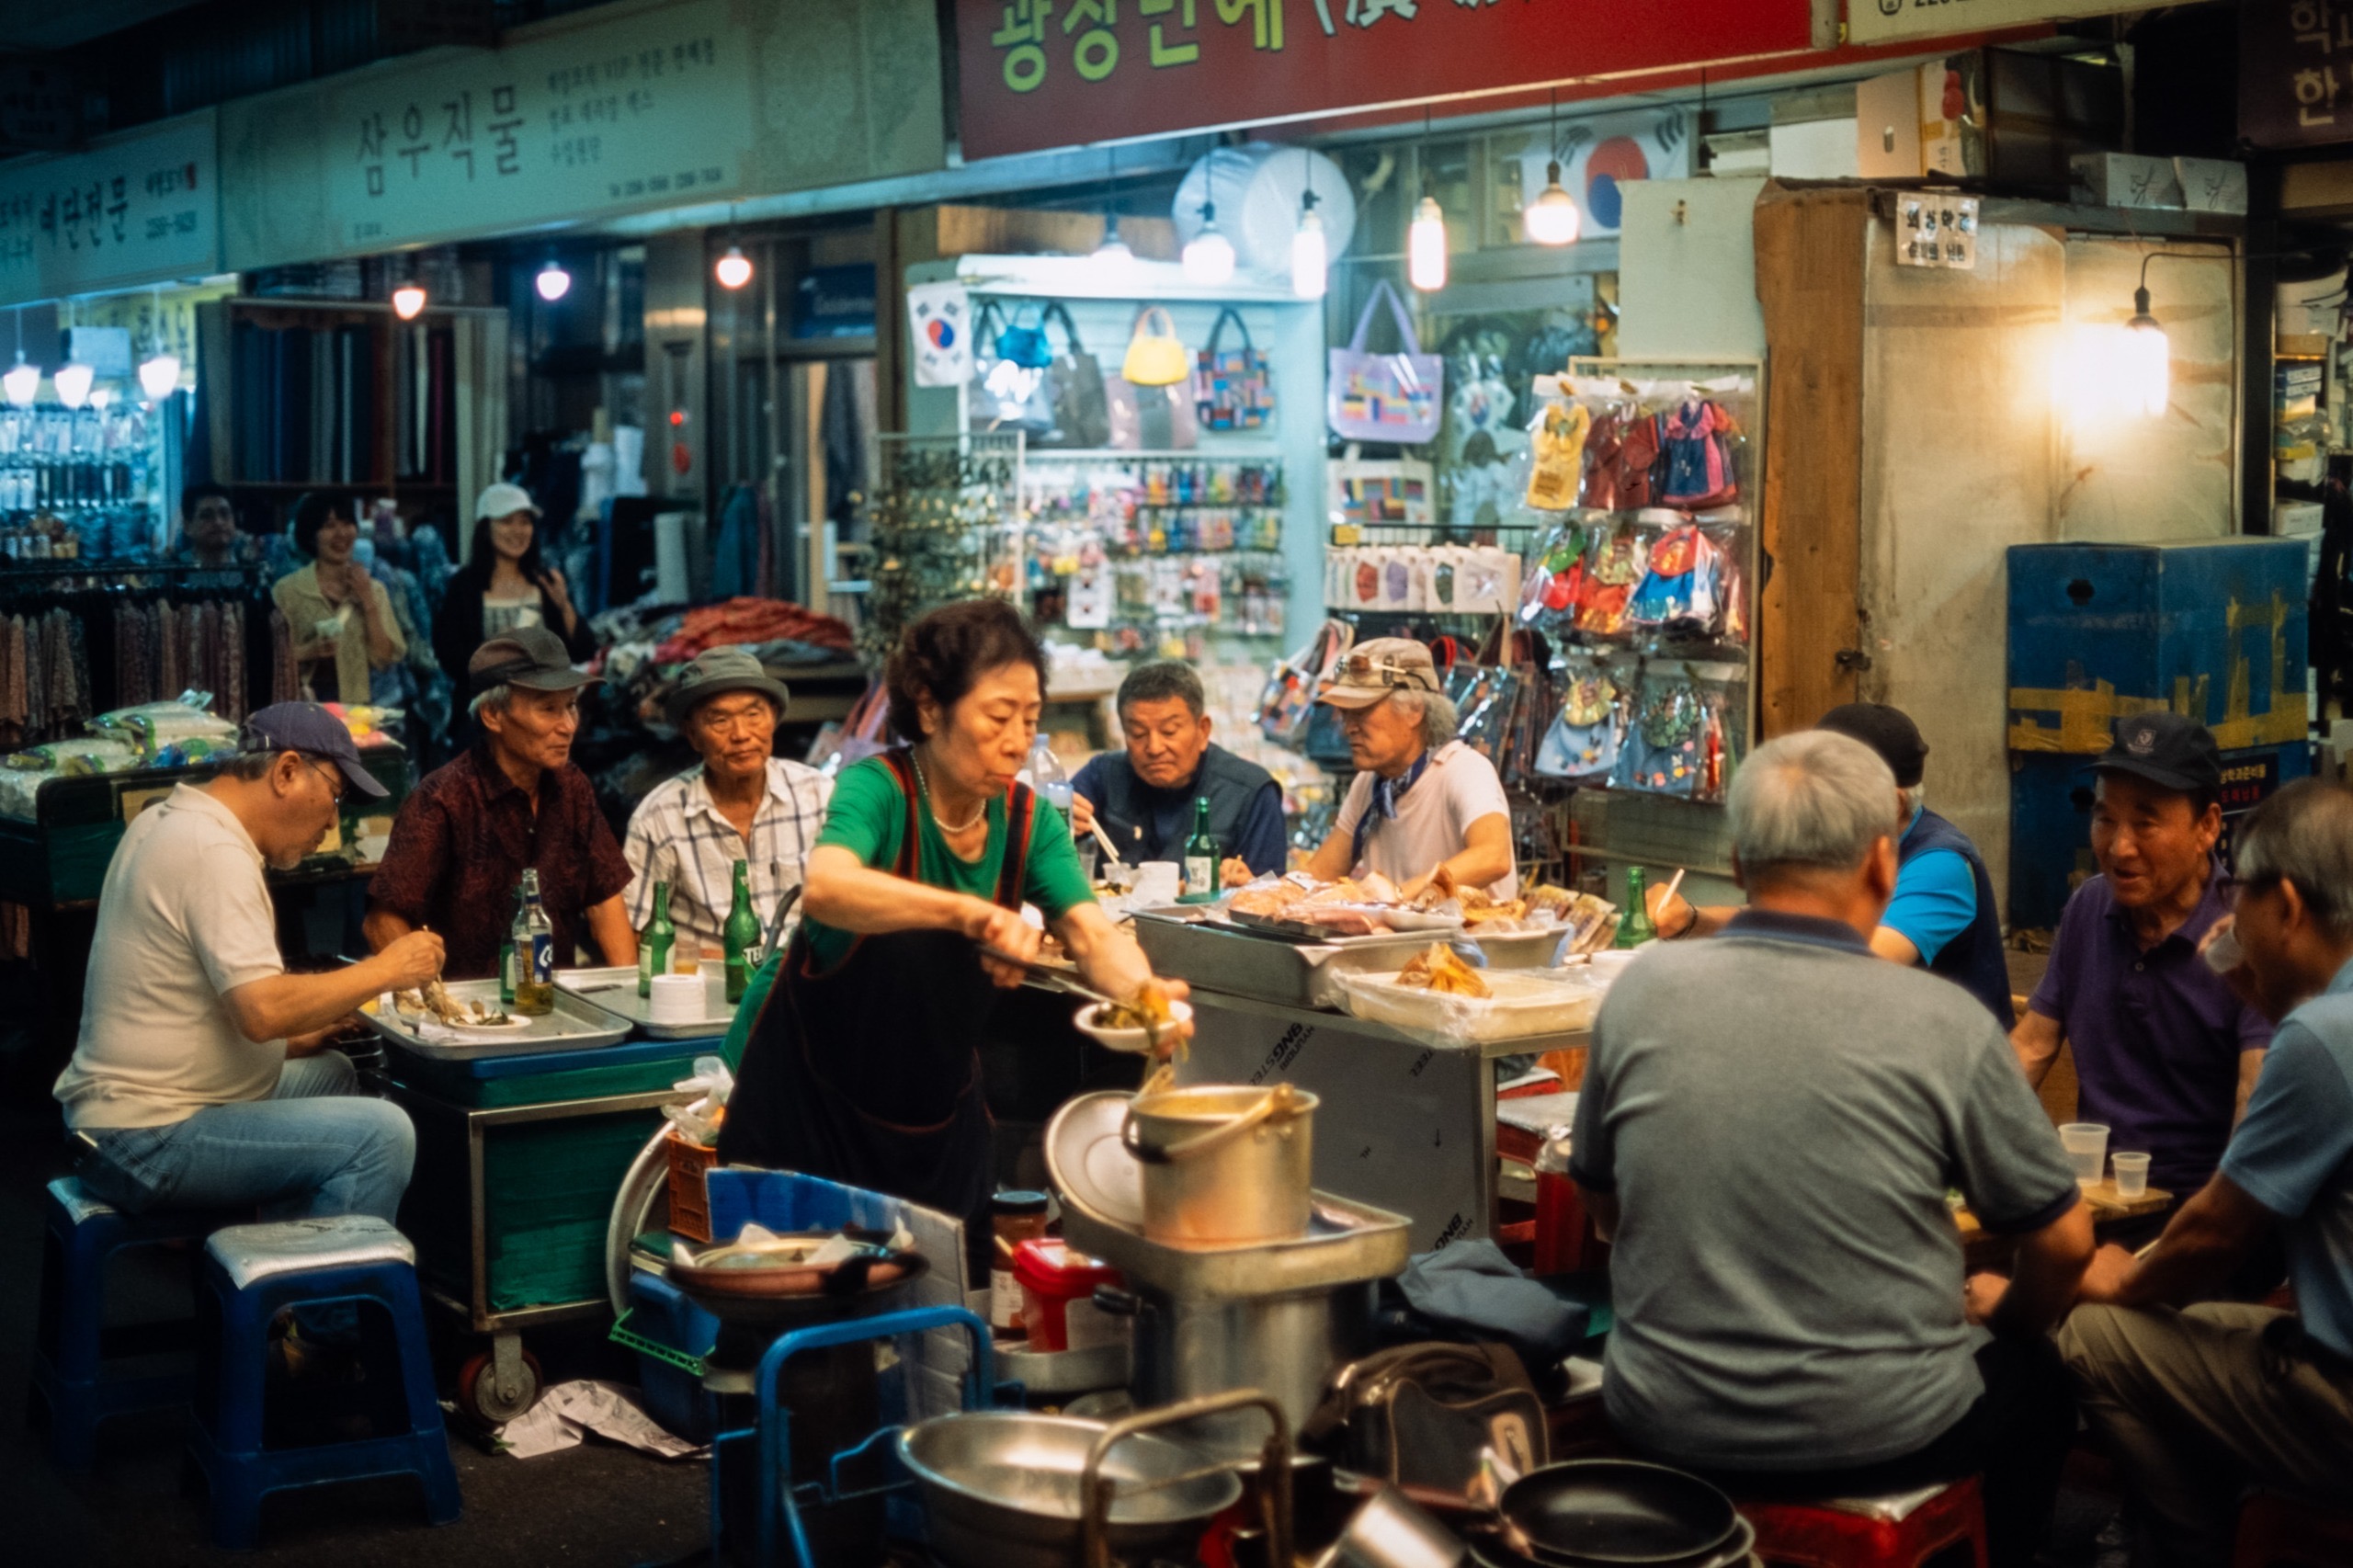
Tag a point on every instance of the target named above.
point(2086, 1146)
point(2132, 1174)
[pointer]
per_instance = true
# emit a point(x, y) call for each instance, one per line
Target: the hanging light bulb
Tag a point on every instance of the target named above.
point(22, 384)
point(73, 384)
point(2148, 358)
point(1426, 247)
point(409, 300)
point(159, 376)
point(1113, 260)
point(1553, 218)
point(733, 269)
point(1208, 255)
point(101, 398)
point(553, 282)
point(1310, 254)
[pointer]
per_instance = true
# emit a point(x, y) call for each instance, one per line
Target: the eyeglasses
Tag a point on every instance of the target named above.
point(335, 784)
point(1363, 669)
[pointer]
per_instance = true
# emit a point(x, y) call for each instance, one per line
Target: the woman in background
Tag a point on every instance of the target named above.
point(339, 618)
point(505, 585)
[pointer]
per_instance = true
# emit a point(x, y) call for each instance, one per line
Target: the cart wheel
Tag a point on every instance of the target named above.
point(480, 1397)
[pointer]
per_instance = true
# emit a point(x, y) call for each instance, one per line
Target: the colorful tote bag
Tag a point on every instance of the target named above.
point(1234, 389)
point(1385, 397)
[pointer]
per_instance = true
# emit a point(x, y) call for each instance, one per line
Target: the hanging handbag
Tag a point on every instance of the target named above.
point(1427, 1415)
point(1149, 419)
point(1366, 492)
point(1004, 395)
point(1385, 397)
point(1233, 389)
point(1155, 358)
point(1082, 414)
point(1024, 346)
point(1288, 702)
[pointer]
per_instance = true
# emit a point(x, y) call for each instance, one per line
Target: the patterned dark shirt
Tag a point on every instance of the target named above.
point(460, 847)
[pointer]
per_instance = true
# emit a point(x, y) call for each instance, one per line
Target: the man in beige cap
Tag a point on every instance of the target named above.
point(741, 803)
point(1421, 798)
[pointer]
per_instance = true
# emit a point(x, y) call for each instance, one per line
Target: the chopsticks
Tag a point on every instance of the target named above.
point(1096, 827)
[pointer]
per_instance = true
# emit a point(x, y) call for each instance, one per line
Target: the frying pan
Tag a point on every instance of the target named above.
point(1587, 1513)
point(1486, 1551)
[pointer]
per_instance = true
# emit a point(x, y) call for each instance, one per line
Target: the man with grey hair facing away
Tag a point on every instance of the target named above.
point(1421, 799)
point(2198, 1402)
point(1768, 1126)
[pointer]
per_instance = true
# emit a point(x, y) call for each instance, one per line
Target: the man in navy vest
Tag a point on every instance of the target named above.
point(1143, 796)
point(1943, 917)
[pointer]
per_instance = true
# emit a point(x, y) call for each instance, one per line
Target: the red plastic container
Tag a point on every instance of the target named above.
point(1058, 1296)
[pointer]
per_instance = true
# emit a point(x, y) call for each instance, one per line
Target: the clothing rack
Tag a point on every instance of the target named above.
point(31, 591)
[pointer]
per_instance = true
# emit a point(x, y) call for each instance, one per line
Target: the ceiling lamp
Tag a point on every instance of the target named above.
point(733, 269)
point(1112, 259)
point(22, 384)
point(1426, 247)
point(408, 301)
point(2148, 357)
point(1208, 255)
point(1553, 218)
point(1310, 257)
point(159, 376)
point(73, 384)
point(553, 282)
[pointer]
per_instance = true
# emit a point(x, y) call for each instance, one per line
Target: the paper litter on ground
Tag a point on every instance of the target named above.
point(568, 1411)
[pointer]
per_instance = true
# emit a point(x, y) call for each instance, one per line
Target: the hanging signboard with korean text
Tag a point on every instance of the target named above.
point(2295, 72)
point(1892, 22)
point(1062, 73)
point(140, 207)
point(650, 110)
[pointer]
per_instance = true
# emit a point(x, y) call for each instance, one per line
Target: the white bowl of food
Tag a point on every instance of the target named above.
point(1118, 1027)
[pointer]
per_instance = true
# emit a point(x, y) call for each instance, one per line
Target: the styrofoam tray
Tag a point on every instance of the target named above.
point(1526, 1002)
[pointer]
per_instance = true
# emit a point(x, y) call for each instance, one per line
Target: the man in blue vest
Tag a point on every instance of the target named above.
point(1143, 796)
point(1943, 918)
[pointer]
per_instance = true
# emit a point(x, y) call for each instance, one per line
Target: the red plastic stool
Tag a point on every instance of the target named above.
point(1878, 1532)
point(2277, 1529)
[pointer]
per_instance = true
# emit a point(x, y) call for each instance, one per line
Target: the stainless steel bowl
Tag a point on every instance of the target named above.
point(1001, 1490)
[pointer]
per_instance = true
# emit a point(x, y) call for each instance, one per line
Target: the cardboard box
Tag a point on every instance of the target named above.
point(2125, 179)
point(2011, 120)
point(1887, 126)
point(2211, 185)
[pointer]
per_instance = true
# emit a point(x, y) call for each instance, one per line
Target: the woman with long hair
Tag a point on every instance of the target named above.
point(506, 585)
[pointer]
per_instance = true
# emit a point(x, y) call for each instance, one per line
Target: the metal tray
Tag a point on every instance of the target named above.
point(615, 991)
point(1346, 1243)
point(1213, 956)
point(575, 1025)
point(1043, 1372)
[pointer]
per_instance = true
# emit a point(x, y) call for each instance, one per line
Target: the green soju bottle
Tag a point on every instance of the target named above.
point(742, 934)
point(506, 956)
point(1635, 928)
point(655, 942)
point(1200, 859)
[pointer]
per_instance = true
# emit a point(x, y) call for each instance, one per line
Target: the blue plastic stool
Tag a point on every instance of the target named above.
point(254, 1272)
point(69, 1358)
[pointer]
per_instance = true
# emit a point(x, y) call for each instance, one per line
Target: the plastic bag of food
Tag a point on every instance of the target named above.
point(1521, 1005)
point(150, 726)
point(79, 759)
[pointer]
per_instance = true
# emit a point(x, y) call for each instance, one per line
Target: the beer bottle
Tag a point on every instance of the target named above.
point(741, 935)
point(1200, 859)
point(656, 943)
point(1635, 928)
point(506, 956)
point(534, 954)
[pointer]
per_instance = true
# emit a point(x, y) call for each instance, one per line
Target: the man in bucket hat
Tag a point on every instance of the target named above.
point(740, 803)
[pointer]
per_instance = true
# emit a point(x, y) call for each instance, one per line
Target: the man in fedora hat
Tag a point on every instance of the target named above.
point(515, 801)
point(739, 803)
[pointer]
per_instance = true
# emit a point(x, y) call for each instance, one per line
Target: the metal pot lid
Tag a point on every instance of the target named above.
point(1617, 1512)
point(1087, 1163)
point(1488, 1551)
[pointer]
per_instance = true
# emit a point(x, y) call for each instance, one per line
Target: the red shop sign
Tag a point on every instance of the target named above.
point(1062, 73)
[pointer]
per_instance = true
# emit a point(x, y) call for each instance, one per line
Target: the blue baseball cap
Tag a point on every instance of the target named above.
point(309, 729)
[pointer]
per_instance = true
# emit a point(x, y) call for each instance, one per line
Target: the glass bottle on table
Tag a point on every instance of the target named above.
point(657, 941)
point(1635, 928)
point(1201, 858)
point(506, 954)
point(741, 935)
point(534, 954)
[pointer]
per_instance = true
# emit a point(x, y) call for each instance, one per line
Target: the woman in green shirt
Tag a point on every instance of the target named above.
point(863, 1065)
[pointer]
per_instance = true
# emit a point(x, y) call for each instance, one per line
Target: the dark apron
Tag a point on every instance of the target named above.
point(868, 1072)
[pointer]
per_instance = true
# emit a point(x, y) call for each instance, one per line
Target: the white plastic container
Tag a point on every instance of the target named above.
point(1527, 1004)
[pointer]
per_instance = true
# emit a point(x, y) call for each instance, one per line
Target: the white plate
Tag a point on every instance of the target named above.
point(514, 1021)
point(1126, 1039)
point(1088, 1164)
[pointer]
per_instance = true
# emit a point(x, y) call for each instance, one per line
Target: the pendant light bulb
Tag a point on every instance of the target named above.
point(159, 376)
point(73, 384)
point(1113, 260)
point(553, 282)
point(1310, 257)
point(1553, 218)
point(733, 269)
point(2149, 359)
point(1426, 247)
point(408, 301)
point(1208, 255)
point(22, 384)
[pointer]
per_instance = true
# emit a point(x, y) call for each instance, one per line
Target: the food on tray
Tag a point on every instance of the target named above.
point(435, 1001)
point(1437, 968)
point(1592, 921)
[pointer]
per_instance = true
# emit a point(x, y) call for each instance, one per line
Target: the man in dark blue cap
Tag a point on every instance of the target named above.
point(200, 1079)
point(2165, 1055)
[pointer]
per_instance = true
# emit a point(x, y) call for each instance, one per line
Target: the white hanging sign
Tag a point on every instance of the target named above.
point(1887, 21)
point(140, 207)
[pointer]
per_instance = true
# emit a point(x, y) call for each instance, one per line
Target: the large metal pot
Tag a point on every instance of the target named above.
point(1003, 1490)
point(1224, 1164)
point(1287, 1345)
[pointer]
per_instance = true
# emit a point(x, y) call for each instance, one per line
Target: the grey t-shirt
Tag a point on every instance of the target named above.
point(1781, 1115)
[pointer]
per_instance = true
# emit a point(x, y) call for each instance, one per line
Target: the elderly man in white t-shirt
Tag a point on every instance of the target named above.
point(200, 1079)
point(1421, 799)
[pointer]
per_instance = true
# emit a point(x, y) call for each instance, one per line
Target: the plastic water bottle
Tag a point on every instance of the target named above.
point(1046, 775)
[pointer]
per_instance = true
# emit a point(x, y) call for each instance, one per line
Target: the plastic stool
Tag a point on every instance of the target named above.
point(81, 1234)
point(252, 1273)
point(1874, 1532)
point(2277, 1528)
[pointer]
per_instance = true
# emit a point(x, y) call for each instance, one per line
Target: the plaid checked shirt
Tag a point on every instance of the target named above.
point(677, 835)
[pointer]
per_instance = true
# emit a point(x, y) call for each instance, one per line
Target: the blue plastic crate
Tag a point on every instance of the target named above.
point(664, 1315)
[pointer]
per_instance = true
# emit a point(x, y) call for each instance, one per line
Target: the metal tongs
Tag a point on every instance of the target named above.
point(1064, 979)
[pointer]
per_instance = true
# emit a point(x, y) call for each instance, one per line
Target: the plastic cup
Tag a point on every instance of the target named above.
point(1158, 881)
point(2086, 1146)
point(2132, 1174)
point(675, 999)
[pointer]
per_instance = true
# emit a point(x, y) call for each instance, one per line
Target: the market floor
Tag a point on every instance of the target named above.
point(594, 1506)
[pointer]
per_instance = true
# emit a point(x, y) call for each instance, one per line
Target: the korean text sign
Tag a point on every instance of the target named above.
point(143, 207)
point(2296, 72)
point(1060, 73)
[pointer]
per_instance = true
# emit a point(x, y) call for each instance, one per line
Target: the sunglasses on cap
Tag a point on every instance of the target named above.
point(1363, 669)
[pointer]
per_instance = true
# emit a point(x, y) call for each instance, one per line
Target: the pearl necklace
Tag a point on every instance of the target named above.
point(942, 823)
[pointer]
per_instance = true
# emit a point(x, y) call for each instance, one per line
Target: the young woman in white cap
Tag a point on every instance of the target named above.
point(505, 585)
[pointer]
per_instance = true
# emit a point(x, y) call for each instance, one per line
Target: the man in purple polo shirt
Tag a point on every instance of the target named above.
point(2165, 1054)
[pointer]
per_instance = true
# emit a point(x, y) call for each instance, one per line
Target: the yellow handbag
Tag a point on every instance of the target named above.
point(1155, 358)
